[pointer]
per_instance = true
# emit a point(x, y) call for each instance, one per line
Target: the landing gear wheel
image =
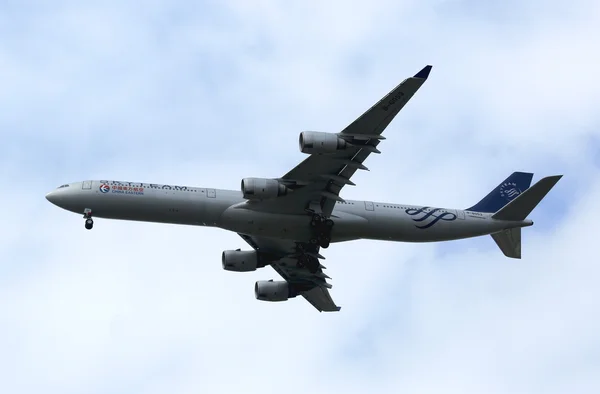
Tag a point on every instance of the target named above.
point(329, 223)
point(314, 241)
point(324, 241)
point(316, 221)
point(89, 223)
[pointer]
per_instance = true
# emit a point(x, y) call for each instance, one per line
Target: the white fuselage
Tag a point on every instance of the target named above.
point(227, 209)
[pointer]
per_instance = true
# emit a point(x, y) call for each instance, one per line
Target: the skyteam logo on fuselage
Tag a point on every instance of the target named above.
point(104, 188)
point(429, 216)
point(509, 190)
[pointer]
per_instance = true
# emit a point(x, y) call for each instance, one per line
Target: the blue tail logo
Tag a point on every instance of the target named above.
point(511, 188)
point(430, 217)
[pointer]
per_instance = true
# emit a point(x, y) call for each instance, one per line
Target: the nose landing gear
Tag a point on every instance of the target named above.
point(321, 227)
point(87, 215)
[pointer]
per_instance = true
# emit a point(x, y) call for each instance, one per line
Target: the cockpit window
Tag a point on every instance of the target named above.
point(60, 187)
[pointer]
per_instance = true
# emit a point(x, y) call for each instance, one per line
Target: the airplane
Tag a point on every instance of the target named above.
point(288, 220)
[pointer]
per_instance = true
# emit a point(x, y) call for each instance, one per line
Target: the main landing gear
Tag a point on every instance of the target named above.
point(321, 227)
point(87, 215)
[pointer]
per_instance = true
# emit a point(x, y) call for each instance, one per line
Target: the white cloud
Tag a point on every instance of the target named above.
point(163, 93)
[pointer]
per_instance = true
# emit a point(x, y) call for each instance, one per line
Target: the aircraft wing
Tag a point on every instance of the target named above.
point(320, 177)
point(298, 263)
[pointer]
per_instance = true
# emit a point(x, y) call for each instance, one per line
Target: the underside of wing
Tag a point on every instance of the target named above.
point(313, 187)
point(321, 299)
point(315, 184)
point(298, 264)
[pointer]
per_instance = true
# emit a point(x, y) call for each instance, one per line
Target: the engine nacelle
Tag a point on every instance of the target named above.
point(319, 142)
point(267, 290)
point(240, 260)
point(262, 189)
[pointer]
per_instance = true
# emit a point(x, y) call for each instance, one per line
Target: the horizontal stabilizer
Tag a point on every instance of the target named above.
point(520, 207)
point(509, 242)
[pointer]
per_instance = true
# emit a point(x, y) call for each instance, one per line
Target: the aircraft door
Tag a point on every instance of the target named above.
point(369, 206)
point(86, 185)
point(460, 213)
point(211, 193)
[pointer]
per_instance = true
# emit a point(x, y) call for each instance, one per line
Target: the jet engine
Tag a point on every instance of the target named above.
point(262, 189)
point(319, 142)
point(240, 260)
point(272, 291)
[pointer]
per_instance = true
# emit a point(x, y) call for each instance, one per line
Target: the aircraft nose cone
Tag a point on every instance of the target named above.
point(52, 197)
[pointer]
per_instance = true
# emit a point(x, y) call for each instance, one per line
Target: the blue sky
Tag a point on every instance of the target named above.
point(206, 93)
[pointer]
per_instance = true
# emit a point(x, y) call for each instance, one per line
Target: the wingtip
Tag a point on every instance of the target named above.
point(424, 73)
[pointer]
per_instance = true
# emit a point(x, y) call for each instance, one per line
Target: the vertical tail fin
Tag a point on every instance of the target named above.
point(504, 193)
point(509, 240)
